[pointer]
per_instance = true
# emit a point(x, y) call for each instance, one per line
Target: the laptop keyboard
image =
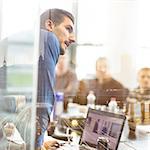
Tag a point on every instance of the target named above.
point(84, 147)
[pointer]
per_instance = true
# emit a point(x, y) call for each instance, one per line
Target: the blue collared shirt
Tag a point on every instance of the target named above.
point(49, 54)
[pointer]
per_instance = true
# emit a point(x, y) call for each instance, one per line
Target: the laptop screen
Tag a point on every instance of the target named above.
point(102, 124)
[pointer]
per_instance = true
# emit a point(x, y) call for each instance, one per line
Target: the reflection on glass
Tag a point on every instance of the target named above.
point(16, 71)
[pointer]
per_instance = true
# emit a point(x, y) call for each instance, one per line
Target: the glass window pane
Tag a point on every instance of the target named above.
point(17, 68)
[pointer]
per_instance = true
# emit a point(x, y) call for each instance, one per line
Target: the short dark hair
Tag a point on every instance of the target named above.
point(56, 15)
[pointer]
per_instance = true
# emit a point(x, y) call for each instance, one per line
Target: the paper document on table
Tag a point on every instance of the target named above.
point(12, 134)
point(144, 128)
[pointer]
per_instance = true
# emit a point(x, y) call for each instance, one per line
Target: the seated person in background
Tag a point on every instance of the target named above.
point(104, 86)
point(141, 94)
point(66, 79)
point(143, 89)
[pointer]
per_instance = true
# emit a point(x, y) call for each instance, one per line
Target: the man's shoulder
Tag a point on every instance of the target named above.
point(48, 35)
point(49, 44)
point(116, 83)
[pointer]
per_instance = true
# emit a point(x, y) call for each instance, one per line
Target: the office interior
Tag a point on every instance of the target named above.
point(115, 29)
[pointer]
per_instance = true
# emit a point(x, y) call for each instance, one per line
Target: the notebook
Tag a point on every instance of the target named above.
point(102, 124)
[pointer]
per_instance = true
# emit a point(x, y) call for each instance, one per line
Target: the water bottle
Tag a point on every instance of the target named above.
point(59, 104)
point(112, 104)
point(91, 100)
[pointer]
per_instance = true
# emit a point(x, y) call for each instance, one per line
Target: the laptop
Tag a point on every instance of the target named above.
point(103, 124)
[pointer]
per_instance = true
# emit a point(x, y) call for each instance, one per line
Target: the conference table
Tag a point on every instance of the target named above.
point(140, 141)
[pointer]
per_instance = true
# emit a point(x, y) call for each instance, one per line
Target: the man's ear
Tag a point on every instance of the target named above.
point(49, 25)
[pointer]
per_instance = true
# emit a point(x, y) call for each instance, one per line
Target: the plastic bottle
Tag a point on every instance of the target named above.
point(91, 99)
point(112, 104)
point(59, 104)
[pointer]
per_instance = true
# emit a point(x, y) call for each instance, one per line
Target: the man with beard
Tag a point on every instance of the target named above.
point(56, 34)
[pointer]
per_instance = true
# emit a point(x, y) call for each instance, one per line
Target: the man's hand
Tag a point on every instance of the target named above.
point(51, 145)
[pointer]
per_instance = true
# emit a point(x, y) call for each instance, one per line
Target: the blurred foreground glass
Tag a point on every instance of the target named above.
point(17, 68)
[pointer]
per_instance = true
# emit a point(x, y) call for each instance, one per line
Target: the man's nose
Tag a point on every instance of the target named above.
point(72, 38)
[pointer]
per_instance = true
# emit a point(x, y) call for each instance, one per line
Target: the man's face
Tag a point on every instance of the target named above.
point(101, 68)
point(144, 79)
point(62, 65)
point(65, 34)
